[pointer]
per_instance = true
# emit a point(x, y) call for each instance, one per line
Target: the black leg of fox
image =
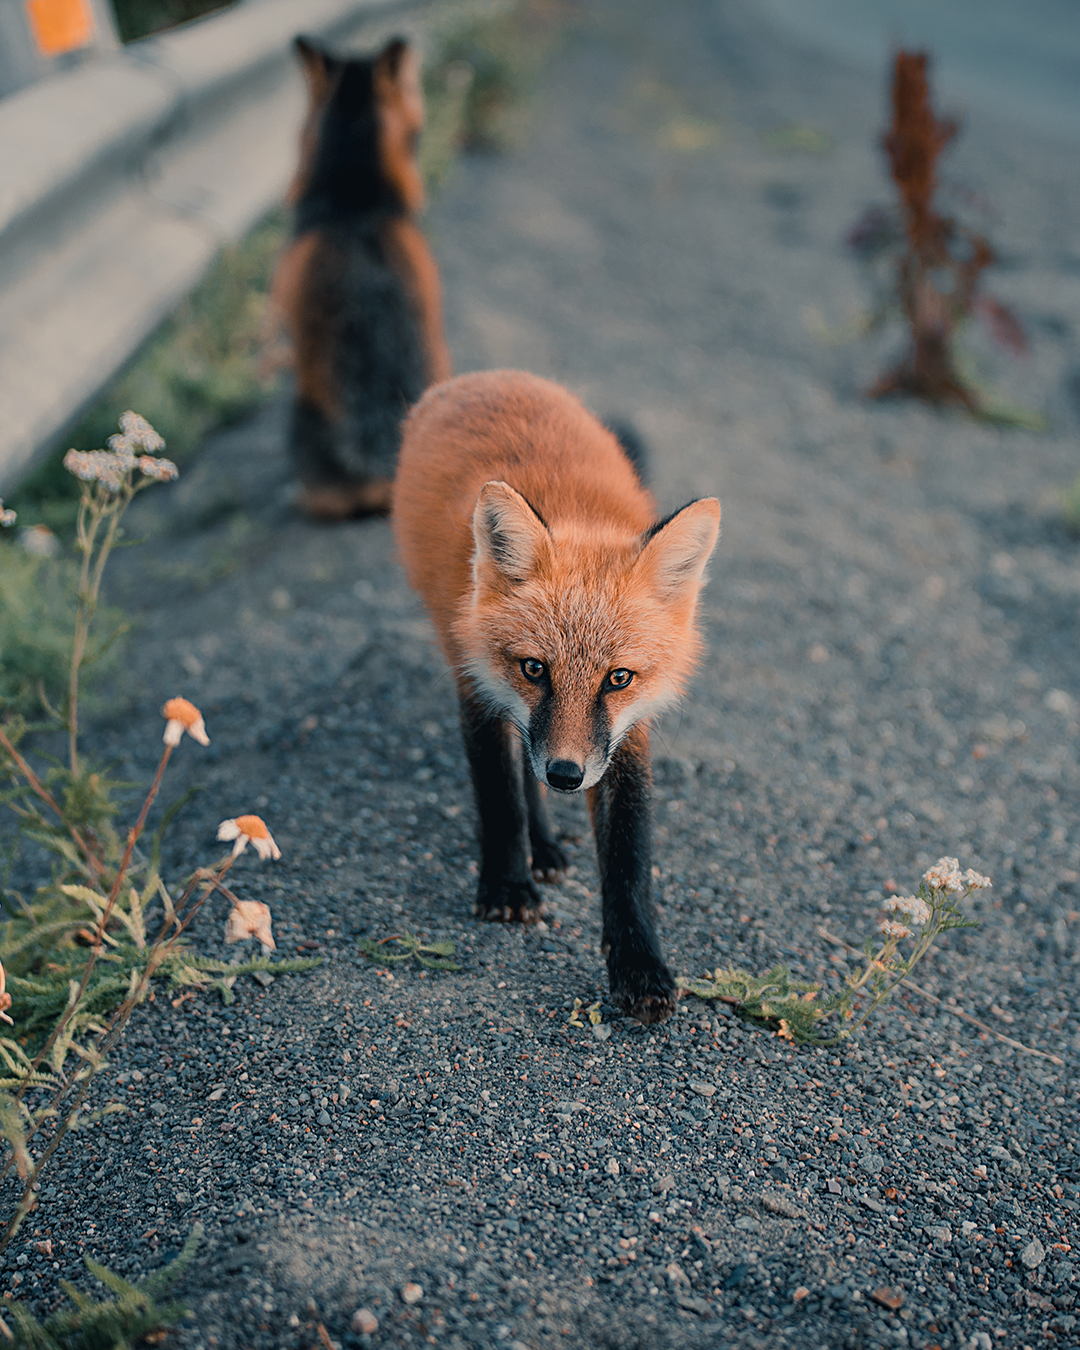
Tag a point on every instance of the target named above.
point(548, 859)
point(507, 892)
point(621, 802)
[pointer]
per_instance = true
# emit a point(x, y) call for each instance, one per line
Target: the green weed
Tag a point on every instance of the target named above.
point(799, 1012)
point(407, 946)
point(79, 956)
point(111, 1325)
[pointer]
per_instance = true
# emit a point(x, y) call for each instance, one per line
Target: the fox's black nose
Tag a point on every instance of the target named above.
point(565, 775)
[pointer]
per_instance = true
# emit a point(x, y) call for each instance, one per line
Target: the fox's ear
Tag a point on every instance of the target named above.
point(317, 63)
point(392, 57)
point(510, 537)
point(676, 551)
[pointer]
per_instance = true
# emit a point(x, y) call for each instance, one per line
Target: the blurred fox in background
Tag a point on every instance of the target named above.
point(357, 289)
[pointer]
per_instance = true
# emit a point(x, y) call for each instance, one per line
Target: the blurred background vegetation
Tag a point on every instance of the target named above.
point(200, 371)
point(139, 18)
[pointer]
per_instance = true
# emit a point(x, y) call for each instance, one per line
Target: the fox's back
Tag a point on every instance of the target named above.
point(515, 428)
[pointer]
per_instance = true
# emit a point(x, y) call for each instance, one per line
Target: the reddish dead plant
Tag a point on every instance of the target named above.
point(940, 262)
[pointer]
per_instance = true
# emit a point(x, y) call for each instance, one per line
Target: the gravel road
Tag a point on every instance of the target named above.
point(401, 1156)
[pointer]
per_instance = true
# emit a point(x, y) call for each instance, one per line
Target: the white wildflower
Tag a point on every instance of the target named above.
point(138, 431)
point(975, 881)
point(945, 876)
point(7, 516)
point(164, 470)
point(917, 910)
point(101, 466)
point(893, 929)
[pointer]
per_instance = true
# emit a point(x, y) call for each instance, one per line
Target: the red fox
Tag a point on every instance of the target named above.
point(358, 289)
point(567, 614)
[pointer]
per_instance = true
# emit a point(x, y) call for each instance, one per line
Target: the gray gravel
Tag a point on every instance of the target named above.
point(891, 675)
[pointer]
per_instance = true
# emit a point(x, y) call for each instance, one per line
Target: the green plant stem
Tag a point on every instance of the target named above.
point(91, 961)
point(40, 790)
point(90, 575)
point(162, 948)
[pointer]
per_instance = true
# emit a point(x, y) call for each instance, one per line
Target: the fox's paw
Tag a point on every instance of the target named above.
point(549, 862)
point(508, 902)
point(647, 993)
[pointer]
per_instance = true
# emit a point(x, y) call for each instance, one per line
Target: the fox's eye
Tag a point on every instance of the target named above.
point(532, 669)
point(619, 679)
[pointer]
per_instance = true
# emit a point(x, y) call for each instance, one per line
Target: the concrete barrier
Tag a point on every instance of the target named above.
point(122, 180)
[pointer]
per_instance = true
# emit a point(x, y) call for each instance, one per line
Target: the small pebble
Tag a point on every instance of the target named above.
point(1033, 1254)
point(412, 1293)
point(364, 1322)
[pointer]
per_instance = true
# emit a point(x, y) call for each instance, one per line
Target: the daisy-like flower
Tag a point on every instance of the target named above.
point(249, 830)
point(181, 716)
point(917, 910)
point(893, 929)
point(250, 919)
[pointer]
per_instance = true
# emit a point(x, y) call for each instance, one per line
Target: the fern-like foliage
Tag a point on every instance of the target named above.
point(407, 946)
point(114, 1324)
point(791, 1006)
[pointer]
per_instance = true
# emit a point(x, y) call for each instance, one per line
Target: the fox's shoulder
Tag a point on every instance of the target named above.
point(530, 432)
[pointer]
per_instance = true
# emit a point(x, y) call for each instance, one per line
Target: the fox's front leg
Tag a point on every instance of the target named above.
point(507, 892)
point(621, 802)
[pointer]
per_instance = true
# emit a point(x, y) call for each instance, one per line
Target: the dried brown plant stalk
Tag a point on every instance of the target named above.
point(939, 268)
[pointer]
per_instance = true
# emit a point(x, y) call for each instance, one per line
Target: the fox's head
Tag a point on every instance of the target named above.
point(365, 115)
point(578, 633)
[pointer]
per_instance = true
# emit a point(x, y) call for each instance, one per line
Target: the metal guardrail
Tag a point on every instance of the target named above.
point(122, 179)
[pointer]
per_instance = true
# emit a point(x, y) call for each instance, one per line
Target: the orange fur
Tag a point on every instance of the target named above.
point(356, 302)
point(409, 254)
point(594, 596)
point(400, 102)
point(567, 614)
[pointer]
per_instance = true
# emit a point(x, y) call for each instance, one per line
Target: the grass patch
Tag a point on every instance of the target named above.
point(1070, 505)
point(139, 18)
point(200, 371)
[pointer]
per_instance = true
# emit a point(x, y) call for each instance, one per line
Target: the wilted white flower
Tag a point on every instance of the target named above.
point(181, 716)
point(976, 881)
point(249, 919)
point(249, 830)
point(911, 905)
point(39, 541)
point(892, 929)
